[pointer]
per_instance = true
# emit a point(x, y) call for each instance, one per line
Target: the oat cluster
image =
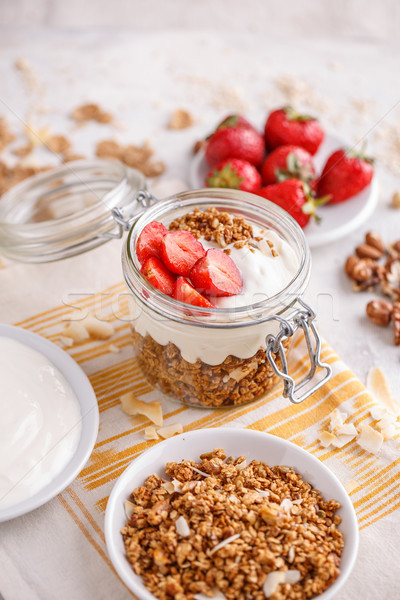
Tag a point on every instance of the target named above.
point(234, 382)
point(215, 225)
point(137, 157)
point(269, 520)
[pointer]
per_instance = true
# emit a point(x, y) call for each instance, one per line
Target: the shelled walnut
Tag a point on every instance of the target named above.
point(375, 266)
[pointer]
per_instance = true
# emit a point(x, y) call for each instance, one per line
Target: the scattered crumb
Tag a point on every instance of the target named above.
point(6, 137)
point(137, 157)
point(69, 157)
point(58, 144)
point(10, 176)
point(170, 430)
point(396, 199)
point(28, 74)
point(132, 406)
point(91, 112)
point(23, 151)
point(181, 119)
point(37, 137)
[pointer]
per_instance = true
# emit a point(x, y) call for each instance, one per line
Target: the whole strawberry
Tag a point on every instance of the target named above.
point(288, 162)
point(293, 196)
point(234, 121)
point(286, 126)
point(234, 173)
point(235, 138)
point(345, 174)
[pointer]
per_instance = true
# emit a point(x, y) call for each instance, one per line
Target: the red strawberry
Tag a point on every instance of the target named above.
point(345, 174)
point(288, 162)
point(180, 250)
point(293, 196)
point(149, 242)
point(184, 292)
point(216, 274)
point(234, 173)
point(286, 126)
point(235, 142)
point(158, 275)
point(234, 121)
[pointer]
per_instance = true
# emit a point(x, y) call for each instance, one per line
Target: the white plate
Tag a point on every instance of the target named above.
point(336, 220)
point(80, 384)
point(253, 444)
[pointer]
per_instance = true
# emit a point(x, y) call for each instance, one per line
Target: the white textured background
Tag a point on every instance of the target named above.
point(344, 19)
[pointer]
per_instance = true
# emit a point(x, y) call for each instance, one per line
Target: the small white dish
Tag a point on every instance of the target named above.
point(84, 392)
point(254, 445)
point(337, 220)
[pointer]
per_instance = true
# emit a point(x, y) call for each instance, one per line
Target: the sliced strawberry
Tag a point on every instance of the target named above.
point(180, 250)
point(149, 242)
point(158, 275)
point(216, 274)
point(184, 292)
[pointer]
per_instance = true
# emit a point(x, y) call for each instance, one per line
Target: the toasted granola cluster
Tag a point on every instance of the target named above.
point(233, 382)
point(224, 526)
point(214, 225)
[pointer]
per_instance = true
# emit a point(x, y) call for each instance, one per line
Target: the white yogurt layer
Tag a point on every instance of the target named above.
point(264, 276)
point(40, 422)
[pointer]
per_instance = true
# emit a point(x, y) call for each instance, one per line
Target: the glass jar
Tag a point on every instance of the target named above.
point(224, 356)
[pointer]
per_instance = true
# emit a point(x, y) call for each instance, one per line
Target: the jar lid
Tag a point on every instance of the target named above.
point(68, 210)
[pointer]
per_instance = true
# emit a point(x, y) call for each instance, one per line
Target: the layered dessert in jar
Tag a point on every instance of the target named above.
point(210, 272)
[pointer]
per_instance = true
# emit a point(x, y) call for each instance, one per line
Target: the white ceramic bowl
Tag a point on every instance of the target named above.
point(236, 442)
point(81, 385)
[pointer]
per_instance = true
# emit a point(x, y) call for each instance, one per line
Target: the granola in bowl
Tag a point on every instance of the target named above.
point(222, 524)
point(265, 526)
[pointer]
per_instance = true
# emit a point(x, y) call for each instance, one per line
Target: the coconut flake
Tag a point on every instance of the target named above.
point(182, 526)
point(336, 419)
point(272, 581)
point(129, 508)
point(233, 498)
point(342, 440)
point(379, 388)
point(326, 438)
point(346, 429)
point(217, 596)
point(298, 501)
point(286, 505)
point(66, 341)
point(200, 472)
point(172, 486)
point(242, 465)
point(263, 493)
point(291, 554)
point(370, 439)
point(377, 412)
point(150, 433)
point(224, 543)
point(292, 576)
point(241, 372)
point(170, 430)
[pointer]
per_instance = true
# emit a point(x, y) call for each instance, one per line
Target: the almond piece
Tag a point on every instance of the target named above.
point(396, 323)
point(379, 312)
point(351, 262)
point(372, 238)
point(367, 251)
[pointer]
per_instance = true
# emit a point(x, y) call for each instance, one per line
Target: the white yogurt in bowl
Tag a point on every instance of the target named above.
point(40, 421)
point(49, 421)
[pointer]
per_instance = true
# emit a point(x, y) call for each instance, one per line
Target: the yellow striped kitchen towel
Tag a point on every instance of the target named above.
point(373, 480)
